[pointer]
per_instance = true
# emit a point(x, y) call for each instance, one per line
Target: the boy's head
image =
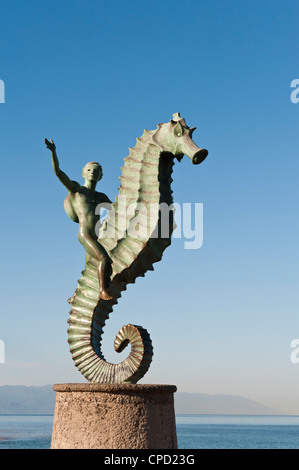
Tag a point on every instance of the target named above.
point(92, 171)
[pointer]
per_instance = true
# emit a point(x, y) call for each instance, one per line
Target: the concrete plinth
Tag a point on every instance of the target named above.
point(114, 416)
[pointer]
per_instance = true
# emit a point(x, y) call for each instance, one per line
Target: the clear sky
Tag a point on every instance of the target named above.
point(92, 76)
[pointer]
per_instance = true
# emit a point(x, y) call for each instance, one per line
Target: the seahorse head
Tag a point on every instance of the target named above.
point(176, 137)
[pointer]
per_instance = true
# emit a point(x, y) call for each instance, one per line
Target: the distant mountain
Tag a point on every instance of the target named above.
point(201, 403)
point(20, 399)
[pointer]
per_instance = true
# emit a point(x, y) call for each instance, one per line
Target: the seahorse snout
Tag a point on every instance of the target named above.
point(199, 156)
point(189, 148)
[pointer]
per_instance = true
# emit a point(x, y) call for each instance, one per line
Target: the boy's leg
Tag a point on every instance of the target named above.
point(94, 250)
point(102, 271)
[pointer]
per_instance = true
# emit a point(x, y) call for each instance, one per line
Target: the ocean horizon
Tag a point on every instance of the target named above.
point(204, 431)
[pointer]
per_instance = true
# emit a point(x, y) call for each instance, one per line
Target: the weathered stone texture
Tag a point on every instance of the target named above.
point(114, 416)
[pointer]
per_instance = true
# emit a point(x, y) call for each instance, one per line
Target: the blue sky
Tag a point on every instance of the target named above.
point(92, 76)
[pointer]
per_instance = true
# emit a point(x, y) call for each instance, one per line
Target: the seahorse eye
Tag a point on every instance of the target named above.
point(178, 130)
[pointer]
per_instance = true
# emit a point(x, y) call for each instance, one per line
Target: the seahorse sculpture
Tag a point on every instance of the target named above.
point(145, 183)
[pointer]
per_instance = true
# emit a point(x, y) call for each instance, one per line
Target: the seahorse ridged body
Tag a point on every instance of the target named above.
point(145, 182)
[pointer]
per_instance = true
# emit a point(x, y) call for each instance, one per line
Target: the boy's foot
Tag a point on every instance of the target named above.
point(105, 296)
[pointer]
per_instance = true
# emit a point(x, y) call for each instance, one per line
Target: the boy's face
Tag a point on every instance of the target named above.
point(92, 172)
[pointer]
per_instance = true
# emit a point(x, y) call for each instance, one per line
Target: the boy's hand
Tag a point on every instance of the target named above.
point(50, 145)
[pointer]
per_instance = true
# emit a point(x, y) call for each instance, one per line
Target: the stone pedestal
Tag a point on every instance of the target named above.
point(114, 416)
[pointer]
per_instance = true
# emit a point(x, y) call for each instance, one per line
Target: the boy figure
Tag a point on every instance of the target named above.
point(80, 205)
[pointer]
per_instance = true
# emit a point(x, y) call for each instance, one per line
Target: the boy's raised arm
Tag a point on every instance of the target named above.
point(70, 185)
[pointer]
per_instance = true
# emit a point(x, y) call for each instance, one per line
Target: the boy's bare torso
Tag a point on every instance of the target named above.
point(80, 205)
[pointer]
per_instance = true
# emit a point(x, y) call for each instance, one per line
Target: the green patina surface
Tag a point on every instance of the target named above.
point(145, 182)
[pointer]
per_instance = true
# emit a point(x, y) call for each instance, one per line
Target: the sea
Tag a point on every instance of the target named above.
point(193, 432)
